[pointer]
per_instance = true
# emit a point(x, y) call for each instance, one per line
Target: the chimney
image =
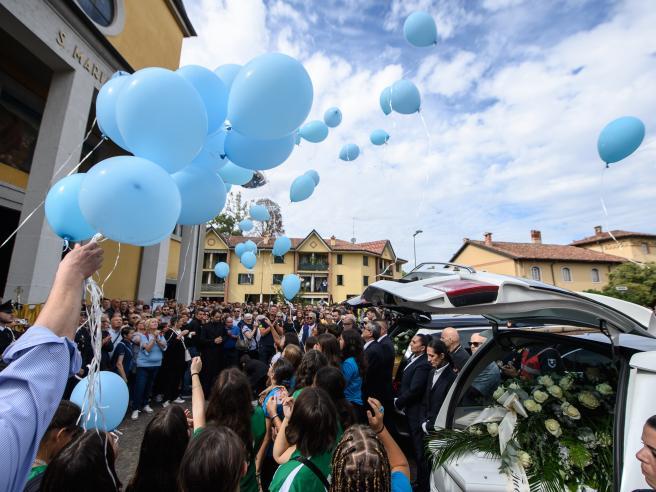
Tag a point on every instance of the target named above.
point(488, 238)
point(598, 230)
point(536, 237)
point(332, 241)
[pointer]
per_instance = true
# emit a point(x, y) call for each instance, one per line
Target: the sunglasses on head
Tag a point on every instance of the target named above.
point(475, 344)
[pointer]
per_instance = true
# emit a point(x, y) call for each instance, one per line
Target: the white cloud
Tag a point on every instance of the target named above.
point(525, 161)
point(500, 4)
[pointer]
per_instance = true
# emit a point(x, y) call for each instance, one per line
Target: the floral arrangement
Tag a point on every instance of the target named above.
point(558, 432)
point(401, 342)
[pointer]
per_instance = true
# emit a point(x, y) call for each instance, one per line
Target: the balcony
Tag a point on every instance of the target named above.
point(212, 287)
point(308, 266)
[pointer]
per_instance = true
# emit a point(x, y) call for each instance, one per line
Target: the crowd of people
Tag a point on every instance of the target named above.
point(283, 397)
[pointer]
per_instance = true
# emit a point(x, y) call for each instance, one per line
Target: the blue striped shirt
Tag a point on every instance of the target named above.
point(31, 388)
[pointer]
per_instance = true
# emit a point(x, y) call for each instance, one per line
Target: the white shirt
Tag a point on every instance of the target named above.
point(382, 336)
point(438, 373)
point(368, 343)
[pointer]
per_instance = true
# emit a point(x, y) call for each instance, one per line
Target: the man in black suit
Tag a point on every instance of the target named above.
point(375, 384)
point(413, 385)
point(440, 378)
point(459, 356)
point(210, 343)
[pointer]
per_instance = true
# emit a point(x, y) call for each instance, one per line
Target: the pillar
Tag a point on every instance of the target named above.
point(37, 250)
point(190, 265)
point(152, 276)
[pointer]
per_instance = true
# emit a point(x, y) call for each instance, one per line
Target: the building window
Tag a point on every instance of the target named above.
point(595, 275)
point(339, 259)
point(398, 268)
point(340, 279)
point(277, 278)
point(645, 248)
point(365, 260)
point(567, 274)
point(365, 279)
point(101, 12)
point(245, 279)
point(535, 273)
point(279, 259)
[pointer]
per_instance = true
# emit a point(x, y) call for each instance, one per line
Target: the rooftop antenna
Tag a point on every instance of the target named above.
point(353, 237)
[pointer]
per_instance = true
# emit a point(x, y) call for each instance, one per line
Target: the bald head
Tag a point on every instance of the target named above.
point(475, 341)
point(451, 338)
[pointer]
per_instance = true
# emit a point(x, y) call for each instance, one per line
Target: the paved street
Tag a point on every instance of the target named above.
point(130, 442)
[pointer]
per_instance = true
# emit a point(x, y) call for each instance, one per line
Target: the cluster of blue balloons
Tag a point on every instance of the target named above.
point(110, 403)
point(620, 138)
point(402, 96)
point(193, 133)
point(247, 253)
point(303, 186)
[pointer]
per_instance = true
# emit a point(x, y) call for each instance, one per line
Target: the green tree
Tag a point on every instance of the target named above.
point(636, 283)
point(274, 226)
point(235, 211)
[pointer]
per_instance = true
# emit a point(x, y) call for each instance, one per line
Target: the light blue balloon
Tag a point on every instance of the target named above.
point(250, 246)
point(301, 188)
point(290, 285)
point(386, 101)
point(405, 98)
point(314, 175)
point(259, 212)
point(258, 155)
point(240, 249)
point(106, 108)
point(419, 29)
point(245, 225)
point(227, 73)
point(314, 131)
point(63, 210)
point(270, 97)
point(379, 137)
point(212, 155)
point(332, 117)
point(349, 152)
point(202, 193)
point(111, 397)
point(162, 118)
point(281, 246)
point(248, 259)
point(620, 138)
point(130, 200)
point(212, 91)
point(233, 174)
point(221, 269)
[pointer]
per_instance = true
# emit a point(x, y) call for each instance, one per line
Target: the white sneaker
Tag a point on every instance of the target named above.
point(178, 400)
point(147, 409)
point(158, 398)
point(166, 404)
point(135, 415)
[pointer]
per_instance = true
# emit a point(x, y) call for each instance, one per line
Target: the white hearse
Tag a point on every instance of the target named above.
point(615, 334)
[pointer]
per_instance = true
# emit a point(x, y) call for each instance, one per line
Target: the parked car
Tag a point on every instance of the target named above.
point(623, 351)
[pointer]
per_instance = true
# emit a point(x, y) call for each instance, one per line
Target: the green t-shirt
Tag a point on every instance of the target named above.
point(294, 476)
point(36, 470)
point(258, 429)
point(297, 392)
point(248, 483)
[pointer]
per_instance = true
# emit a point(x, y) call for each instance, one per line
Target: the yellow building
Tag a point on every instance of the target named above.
point(54, 57)
point(570, 267)
point(330, 269)
point(635, 246)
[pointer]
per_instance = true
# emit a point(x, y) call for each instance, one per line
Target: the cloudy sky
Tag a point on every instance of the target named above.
point(513, 98)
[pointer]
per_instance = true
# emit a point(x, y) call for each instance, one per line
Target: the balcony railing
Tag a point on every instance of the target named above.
point(312, 267)
point(212, 287)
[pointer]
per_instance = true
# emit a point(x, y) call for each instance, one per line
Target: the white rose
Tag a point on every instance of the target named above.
point(531, 406)
point(540, 396)
point(605, 389)
point(514, 386)
point(555, 391)
point(566, 383)
point(493, 429)
point(553, 427)
point(498, 393)
point(588, 400)
point(571, 411)
point(545, 381)
point(525, 459)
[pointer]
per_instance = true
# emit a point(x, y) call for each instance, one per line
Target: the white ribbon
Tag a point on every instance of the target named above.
point(506, 414)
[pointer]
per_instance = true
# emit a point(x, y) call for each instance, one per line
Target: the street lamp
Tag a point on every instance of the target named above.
point(414, 244)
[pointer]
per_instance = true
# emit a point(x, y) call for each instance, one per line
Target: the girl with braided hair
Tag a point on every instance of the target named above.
point(367, 459)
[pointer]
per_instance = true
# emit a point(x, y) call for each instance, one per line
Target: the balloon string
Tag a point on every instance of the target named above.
point(118, 255)
point(184, 262)
point(20, 226)
point(606, 215)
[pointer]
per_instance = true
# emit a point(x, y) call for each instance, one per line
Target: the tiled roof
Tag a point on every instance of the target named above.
point(373, 247)
point(536, 251)
point(605, 236)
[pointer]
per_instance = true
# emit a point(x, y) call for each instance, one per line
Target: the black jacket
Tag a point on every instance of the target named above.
point(390, 354)
point(413, 386)
point(376, 383)
point(434, 395)
point(459, 358)
point(209, 331)
point(194, 327)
